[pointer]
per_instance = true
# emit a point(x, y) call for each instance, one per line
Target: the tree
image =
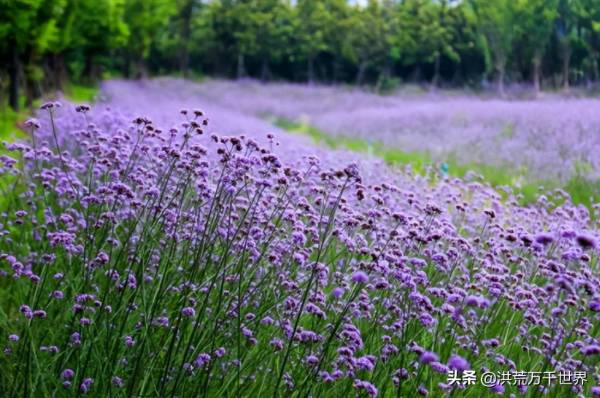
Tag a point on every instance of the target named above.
point(567, 35)
point(43, 43)
point(145, 19)
point(430, 28)
point(467, 57)
point(27, 29)
point(587, 37)
point(495, 21)
point(369, 40)
point(185, 16)
point(535, 21)
point(314, 24)
point(405, 39)
point(440, 36)
point(274, 28)
point(99, 28)
point(231, 32)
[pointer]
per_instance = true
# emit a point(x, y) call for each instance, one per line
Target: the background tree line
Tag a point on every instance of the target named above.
point(544, 43)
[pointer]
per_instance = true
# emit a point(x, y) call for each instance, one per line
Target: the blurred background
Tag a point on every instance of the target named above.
point(504, 88)
point(476, 44)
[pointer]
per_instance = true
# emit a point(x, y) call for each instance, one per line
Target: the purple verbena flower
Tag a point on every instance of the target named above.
point(188, 312)
point(457, 362)
point(360, 277)
point(428, 357)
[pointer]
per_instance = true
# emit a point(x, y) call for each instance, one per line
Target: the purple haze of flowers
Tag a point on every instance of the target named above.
point(152, 223)
point(550, 138)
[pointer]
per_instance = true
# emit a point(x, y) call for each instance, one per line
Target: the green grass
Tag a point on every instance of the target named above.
point(581, 190)
point(11, 128)
point(10, 121)
point(418, 161)
point(80, 93)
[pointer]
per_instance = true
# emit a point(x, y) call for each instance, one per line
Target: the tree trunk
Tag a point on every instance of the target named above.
point(436, 71)
point(184, 60)
point(416, 75)
point(241, 69)
point(29, 88)
point(384, 76)
point(48, 81)
point(360, 75)
point(89, 70)
point(566, 64)
point(335, 70)
point(593, 70)
point(127, 66)
point(500, 69)
point(311, 69)
point(142, 70)
point(60, 72)
point(537, 64)
point(265, 72)
point(13, 71)
point(29, 66)
point(186, 20)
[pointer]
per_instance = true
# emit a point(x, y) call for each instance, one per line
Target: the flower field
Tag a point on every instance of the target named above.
point(548, 137)
point(170, 241)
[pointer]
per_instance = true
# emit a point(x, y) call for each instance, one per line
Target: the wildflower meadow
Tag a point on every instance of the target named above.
point(299, 198)
point(174, 258)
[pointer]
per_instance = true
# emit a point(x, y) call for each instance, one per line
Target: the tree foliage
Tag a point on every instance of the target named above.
point(549, 43)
